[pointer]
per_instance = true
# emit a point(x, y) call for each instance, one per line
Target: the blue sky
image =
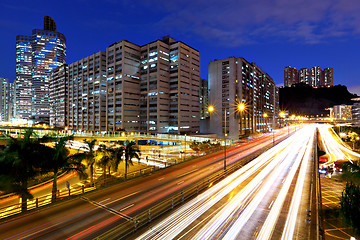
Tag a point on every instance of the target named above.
point(271, 33)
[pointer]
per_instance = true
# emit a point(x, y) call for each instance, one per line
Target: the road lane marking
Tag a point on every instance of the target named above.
point(187, 173)
point(161, 178)
point(131, 205)
point(104, 200)
point(180, 182)
point(113, 211)
point(271, 204)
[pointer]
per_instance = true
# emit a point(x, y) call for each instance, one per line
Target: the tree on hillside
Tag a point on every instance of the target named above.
point(62, 161)
point(90, 157)
point(21, 162)
point(131, 151)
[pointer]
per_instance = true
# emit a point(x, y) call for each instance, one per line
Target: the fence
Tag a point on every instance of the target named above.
point(45, 200)
point(130, 226)
point(72, 192)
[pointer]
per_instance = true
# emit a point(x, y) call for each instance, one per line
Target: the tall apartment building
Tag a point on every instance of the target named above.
point(170, 87)
point(327, 77)
point(36, 56)
point(23, 94)
point(87, 93)
point(290, 76)
point(314, 77)
point(234, 81)
point(153, 88)
point(5, 99)
point(304, 76)
point(58, 93)
point(355, 112)
point(122, 86)
point(204, 98)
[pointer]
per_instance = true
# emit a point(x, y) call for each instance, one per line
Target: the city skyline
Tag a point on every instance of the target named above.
point(300, 33)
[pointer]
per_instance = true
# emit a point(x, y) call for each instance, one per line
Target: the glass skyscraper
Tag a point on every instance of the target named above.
point(36, 57)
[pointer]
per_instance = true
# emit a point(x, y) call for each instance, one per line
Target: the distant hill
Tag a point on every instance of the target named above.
point(305, 100)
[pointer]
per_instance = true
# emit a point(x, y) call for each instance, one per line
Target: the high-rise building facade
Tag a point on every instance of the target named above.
point(327, 77)
point(58, 92)
point(304, 76)
point(122, 86)
point(355, 112)
point(150, 88)
point(23, 95)
point(314, 77)
point(46, 50)
point(5, 99)
point(204, 98)
point(290, 76)
point(170, 87)
point(235, 82)
point(87, 94)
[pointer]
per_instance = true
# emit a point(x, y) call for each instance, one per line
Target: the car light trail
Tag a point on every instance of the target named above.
point(229, 221)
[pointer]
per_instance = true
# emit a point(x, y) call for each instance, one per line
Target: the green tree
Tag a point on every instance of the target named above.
point(103, 159)
point(20, 162)
point(351, 171)
point(62, 161)
point(117, 154)
point(350, 205)
point(131, 151)
point(90, 157)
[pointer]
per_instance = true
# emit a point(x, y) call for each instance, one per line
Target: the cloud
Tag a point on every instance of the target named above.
point(244, 22)
point(354, 89)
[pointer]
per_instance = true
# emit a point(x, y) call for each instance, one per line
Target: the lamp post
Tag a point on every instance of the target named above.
point(185, 148)
point(211, 109)
point(240, 108)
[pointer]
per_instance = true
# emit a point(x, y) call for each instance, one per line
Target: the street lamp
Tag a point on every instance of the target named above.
point(265, 116)
point(210, 110)
point(240, 108)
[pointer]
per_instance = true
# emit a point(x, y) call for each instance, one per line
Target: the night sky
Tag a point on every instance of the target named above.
point(271, 33)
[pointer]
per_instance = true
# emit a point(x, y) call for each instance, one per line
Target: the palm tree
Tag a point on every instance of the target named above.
point(131, 151)
point(90, 158)
point(103, 158)
point(62, 161)
point(117, 154)
point(20, 162)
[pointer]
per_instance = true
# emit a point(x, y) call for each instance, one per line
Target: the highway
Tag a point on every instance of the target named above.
point(266, 199)
point(95, 213)
point(334, 146)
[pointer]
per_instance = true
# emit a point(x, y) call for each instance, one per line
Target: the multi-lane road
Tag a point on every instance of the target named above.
point(334, 146)
point(95, 213)
point(271, 197)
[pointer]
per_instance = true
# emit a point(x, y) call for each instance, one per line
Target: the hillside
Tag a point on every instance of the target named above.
point(305, 100)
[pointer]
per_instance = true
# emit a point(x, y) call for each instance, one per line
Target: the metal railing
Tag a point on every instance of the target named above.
point(133, 223)
point(14, 209)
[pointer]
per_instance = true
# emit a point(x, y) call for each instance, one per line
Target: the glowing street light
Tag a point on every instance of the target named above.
point(241, 107)
point(211, 108)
